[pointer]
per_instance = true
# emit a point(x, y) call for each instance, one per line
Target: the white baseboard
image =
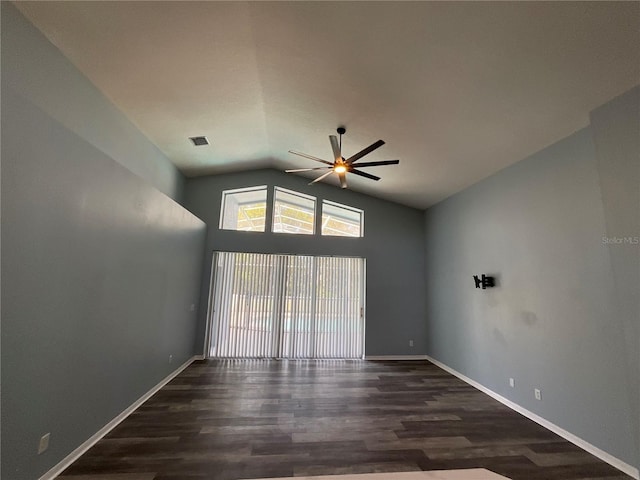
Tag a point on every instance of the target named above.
point(396, 357)
point(592, 449)
point(73, 456)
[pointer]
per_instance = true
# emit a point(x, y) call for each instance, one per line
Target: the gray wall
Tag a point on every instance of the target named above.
point(564, 316)
point(99, 272)
point(37, 70)
point(392, 246)
point(616, 131)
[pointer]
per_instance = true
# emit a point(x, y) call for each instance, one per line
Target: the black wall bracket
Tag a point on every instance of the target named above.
point(484, 281)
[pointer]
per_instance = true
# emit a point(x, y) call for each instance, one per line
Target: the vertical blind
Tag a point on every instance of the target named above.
point(286, 306)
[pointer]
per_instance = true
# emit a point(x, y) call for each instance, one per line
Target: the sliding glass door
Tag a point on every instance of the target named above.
point(286, 306)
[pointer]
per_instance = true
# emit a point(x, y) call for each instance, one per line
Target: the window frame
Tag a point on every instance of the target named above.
point(304, 196)
point(344, 207)
point(223, 205)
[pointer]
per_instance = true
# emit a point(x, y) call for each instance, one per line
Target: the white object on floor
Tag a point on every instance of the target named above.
point(468, 474)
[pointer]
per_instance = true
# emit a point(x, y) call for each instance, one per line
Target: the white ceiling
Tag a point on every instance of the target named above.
point(457, 90)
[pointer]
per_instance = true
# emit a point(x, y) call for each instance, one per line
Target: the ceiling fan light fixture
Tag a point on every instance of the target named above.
point(341, 166)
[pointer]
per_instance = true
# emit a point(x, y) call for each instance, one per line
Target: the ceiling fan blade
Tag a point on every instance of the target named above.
point(343, 179)
point(321, 177)
point(310, 157)
point(375, 164)
point(364, 152)
point(365, 175)
point(306, 169)
point(335, 146)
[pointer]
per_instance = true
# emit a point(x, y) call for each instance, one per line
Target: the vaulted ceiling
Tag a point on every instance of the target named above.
point(457, 90)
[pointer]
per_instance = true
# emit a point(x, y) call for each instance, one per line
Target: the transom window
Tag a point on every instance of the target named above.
point(244, 209)
point(293, 212)
point(342, 220)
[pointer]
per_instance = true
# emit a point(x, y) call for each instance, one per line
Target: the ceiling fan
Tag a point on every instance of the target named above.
point(341, 166)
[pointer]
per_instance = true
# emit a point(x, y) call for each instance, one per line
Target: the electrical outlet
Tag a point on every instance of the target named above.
point(512, 382)
point(411, 343)
point(170, 358)
point(44, 443)
point(537, 393)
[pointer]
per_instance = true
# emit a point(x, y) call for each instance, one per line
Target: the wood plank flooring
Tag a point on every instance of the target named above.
point(465, 474)
point(239, 419)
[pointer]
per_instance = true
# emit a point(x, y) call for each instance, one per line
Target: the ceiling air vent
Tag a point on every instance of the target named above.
point(198, 141)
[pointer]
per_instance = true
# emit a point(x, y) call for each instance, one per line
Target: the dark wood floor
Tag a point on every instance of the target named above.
point(235, 419)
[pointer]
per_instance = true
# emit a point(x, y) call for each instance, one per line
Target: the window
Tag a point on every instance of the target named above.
point(244, 209)
point(293, 212)
point(286, 306)
point(341, 220)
